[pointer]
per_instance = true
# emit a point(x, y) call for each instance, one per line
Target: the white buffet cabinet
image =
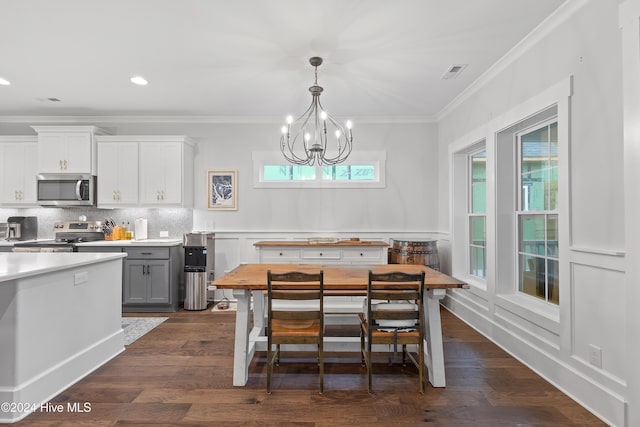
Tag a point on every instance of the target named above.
point(341, 309)
point(342, 252)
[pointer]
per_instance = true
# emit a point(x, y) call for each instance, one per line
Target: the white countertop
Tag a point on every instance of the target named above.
point(146, 242)
point(17, 265)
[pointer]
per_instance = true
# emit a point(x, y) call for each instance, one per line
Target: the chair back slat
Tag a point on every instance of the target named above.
point(295, 294)
point(395, 295)
point(295, 276)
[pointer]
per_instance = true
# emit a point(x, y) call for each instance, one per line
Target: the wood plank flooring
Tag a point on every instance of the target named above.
point(180, 374)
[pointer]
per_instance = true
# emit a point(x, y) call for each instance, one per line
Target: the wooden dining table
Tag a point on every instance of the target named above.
point(343, 279)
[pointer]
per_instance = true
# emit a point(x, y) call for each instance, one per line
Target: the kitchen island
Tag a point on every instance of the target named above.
point(60, 319)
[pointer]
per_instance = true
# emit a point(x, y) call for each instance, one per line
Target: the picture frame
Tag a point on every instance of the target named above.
point(222, 190)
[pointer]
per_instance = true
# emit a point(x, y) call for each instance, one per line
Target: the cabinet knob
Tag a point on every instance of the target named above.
point(280, 253)
point(320, 253)
point(361, 254)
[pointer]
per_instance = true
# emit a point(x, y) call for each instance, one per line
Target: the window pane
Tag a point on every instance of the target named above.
point(553, 139)
point(554, 281)
point(478, 182)
point(348, 173)
point(477, 228)
point(532, 234)
point(552, 202)
point(532, 276)
point(478, 261)
point(534, 190)
point(288, 173)
point(552, 236)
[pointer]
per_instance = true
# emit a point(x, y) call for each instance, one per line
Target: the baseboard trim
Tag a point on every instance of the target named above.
point(51, 382)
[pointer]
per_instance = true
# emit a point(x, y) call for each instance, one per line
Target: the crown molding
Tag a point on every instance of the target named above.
point(193, 119)
point(553, 21)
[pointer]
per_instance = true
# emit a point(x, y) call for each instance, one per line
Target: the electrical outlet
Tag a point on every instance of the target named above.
point(595, 356)
point(164, 234)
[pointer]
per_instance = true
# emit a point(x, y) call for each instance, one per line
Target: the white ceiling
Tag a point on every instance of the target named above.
point(249, 58)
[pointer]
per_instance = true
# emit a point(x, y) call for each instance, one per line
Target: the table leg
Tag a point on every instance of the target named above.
point(259, 302)
point(241, 348)
point(434, 352)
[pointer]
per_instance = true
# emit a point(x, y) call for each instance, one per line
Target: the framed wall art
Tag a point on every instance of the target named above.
point(222, 190)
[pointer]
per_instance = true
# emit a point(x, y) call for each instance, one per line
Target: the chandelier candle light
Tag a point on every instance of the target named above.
point(309, 132)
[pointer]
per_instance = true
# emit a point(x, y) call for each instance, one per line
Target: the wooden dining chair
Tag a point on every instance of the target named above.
point(292, 323)
point(394, 316)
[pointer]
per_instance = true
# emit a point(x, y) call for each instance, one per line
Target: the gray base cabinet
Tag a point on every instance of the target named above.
point(151, 277)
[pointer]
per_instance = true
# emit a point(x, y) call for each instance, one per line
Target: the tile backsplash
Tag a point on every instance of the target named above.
point(176, 221)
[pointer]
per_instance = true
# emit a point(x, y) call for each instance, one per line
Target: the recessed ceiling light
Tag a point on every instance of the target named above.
point(4, 82)
point(138, 80)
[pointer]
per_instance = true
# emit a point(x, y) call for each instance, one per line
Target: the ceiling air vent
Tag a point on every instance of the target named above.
point(453, 71)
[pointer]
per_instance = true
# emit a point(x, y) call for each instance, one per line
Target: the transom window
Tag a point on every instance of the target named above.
point(537, 213)
point(361, 170)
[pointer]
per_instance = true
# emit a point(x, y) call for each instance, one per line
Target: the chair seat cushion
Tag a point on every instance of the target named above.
point(392, 306)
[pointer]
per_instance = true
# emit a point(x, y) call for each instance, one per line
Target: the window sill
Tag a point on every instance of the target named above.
point(541, 313)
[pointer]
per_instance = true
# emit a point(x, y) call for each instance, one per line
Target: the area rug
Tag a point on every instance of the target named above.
point(135, 327)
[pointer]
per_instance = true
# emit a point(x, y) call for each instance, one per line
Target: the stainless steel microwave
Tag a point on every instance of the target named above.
point(66, 190)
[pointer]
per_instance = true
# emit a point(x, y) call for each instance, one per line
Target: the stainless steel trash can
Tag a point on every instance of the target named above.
point(196, 289)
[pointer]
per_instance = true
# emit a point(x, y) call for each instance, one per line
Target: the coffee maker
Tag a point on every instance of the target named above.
point(22, 228)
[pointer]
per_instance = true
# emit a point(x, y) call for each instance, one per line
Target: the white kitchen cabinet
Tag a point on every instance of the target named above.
point(117, 174)
point(18, 173)
point(166, 172)
point(67, 149)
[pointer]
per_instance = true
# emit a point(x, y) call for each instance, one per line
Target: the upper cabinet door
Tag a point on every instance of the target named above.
point(67, 149)
point(161, 173)
point(65, 153)
point(18, 174)
point(117, 174)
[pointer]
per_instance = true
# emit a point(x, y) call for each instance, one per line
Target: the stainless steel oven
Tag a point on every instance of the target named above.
point(66, 190)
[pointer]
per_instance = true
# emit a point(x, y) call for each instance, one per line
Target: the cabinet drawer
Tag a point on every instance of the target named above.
point(281, 254)
point(321, 253)
point(353, 254)
point(148, 253)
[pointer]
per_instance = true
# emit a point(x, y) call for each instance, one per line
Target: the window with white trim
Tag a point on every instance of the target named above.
point(360, 170)
point(477, 213)
point(537, 213)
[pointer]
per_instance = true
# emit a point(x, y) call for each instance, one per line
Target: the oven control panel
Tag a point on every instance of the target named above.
point(77, 226)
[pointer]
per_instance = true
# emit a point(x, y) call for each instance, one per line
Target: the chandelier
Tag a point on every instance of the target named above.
point(305, 140)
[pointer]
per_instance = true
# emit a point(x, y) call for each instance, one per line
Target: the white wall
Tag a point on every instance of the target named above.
point(582, 41)
point(629, 22)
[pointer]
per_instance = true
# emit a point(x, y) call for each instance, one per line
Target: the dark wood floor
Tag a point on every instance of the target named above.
point(180, 374)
